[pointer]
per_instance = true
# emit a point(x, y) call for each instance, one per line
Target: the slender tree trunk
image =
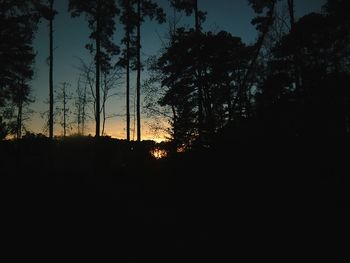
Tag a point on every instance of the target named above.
point(128, 95)
point(175, 125)
point(19, 114)
point(104, 104)
point(250, 70)
point(138, 84)
point(98, 66)
point(83, 117)
point(128, 73)
point(103, 121)
point(175, 129)
point(79, 106)
point(19, 120)
point(291, 12)
point(199, 80)
point(174, 121)
point(51, 71)
point(64, 110)
point(79, 120)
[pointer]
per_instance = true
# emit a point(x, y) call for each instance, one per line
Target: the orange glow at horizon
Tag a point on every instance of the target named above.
point(158, 153)
point(114, 129)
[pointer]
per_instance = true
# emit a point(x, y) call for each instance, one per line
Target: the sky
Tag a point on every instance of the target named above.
point(71, 36)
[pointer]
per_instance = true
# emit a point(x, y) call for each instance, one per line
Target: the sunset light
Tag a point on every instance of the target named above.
point(142, 123)
point(158, 153)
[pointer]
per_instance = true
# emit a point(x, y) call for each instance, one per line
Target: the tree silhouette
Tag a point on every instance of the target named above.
point(80, 103)
point(191, 6)
point(110, 80)
point(129, 19)
point(144, 9)
point(49, 14)
point(296, 56)
point(222, 69)
point(16, 54)
point(51, 67)
point(272, 115)
point(263, 23)
point(304, 92)
point(21, 97)
point(100, 15)
point(3, 129)
point(64, 97)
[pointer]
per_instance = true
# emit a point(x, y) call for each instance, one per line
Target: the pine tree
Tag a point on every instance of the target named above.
point(129, 19)
point(191, 7)
point(100, 15)
point(49, 14)
point(144, 9)
point(17, 55)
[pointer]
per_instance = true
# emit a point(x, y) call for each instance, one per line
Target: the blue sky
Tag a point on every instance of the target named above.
point(71, 35)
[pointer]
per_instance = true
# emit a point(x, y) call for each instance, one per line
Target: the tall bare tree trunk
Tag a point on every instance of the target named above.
point(79, 106)
point(103, 121)
point(19, 120)
point(98, 66)
point(64, 110)
point(51, 71)
point(291, 12)
point(199, 81)
point(104, 99)
point(83, 117)
point(138, 84)
point(128, 73)
point(20, 112)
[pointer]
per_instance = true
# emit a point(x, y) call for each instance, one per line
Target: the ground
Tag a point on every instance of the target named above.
point(115, 196)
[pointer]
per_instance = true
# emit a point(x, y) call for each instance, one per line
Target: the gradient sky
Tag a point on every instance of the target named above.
point(71, 35)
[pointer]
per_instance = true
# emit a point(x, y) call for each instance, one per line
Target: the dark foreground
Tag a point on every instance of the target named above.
point(81, 198)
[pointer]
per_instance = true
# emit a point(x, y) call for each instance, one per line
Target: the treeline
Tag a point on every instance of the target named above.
point(23, 17)
point(293, 81)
